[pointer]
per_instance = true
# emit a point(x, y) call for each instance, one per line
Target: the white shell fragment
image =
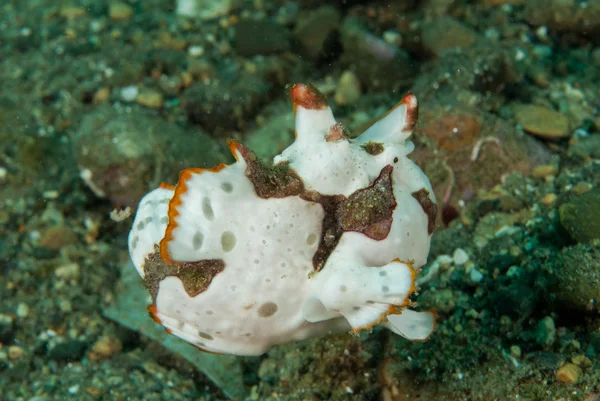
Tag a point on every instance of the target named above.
point(327, 237)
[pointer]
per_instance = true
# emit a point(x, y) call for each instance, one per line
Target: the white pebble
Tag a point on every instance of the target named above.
point(196, 51)
point(476, 276)
point(460, 257)
point(22, 310)
point(129, 93)
point(68, 272)
point(393, 38)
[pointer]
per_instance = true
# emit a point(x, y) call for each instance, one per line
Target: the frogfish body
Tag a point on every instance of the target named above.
point(328, 236)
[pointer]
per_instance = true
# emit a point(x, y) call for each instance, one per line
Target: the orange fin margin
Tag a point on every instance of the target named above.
point(174, 203)
point(394, 309)
point(307, 96)
point(166, 185)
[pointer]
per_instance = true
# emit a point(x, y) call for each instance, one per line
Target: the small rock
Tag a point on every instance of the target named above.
point(446, 33)
point(476, 276)
point(72, 12)
point(581, 360)
point(65, 306)
point(15, 352)
point(196, 51)
point(68, 272)
point(155, 370)
point(565, 16)
point(580, 216)
point(171, 85)
point(568, 373)
point(588, 147)
point(581, 188)
point(101, 95)
point(129, 93)
point(120, 11)
point(445, 300)
point(117, 152)
point(206, 9)
point(348, 89)
point(22, 310)
point(105, 347)
point(57, 237)
point(541, 121)
point(460, 257)
point(495, 3)
point(544, 170)
point(150, 98)
point(66, 350)
point(549, 199)
point(545, 333)
point(575, 273)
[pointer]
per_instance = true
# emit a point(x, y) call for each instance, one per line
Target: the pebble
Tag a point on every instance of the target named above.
point(129, 93)
point(105, 347)
point(22, 310)
point(101, 95)
point(205, 9)
point(195, 51)
point(580, 216)
point(348, 89)
point(150, 98)
point(67, 272)
point(68, 350)
point(581, 188)
point(568, 373)
point(476, 276)
point(460, 257)
point(545, 333)
point(72, 12)
point(120, 11)
point(445, 34)
point(65, 306)
point(57, 237)
point(542, 121)
point(15, 352)
point(549, 199)
point(586, 147)
point(581, 360)
point(544, 170)
point(393, 38)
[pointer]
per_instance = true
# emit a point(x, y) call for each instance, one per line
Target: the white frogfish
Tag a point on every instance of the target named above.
point(327, 237)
